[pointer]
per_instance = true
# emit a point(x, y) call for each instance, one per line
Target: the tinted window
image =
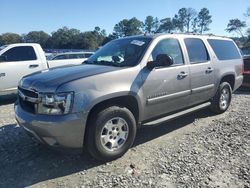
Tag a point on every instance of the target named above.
point(224, 49)
point(170, 47)
point(87, 55)
point(197, 51)
point(21, 53)
point(60, 57)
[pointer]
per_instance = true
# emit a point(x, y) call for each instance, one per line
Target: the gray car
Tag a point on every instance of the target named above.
point(129, 82)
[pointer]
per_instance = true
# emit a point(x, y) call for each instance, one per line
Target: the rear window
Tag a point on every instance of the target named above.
point(197, 51)
point(20, 53)
point(224, 49)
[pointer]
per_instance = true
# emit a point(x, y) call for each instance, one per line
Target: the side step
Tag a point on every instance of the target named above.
point(178, 114)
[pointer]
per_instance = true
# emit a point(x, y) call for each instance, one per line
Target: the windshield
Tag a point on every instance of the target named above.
point(121, 53)
point(2, 47)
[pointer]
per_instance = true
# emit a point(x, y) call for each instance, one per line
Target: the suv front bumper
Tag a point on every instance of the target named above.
point(58, 131)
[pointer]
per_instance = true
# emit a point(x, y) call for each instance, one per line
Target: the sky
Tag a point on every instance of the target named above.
point(22, 16)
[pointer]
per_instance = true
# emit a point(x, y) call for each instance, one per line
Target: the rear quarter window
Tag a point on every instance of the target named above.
point(224, 49)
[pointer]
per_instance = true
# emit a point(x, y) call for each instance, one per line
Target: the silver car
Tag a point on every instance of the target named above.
point(129, 82)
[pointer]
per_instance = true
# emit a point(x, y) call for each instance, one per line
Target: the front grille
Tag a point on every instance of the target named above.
point(26, 98)
point(28, 93)
point(247, 64)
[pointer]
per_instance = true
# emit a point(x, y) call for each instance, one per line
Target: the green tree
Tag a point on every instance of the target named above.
point(91, 39)
point(37, 37)
point(203, 20)
point(167, 25)
point(10, 38)
point(183, 20)
point(65, 38)
point(190, 17)
point(195, 25)
point(151, 24)
point(247, 14)
point(179, 19)
point(236, 25)
point(129, 27)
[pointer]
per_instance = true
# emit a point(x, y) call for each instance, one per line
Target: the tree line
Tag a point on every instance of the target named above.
point(186, 20)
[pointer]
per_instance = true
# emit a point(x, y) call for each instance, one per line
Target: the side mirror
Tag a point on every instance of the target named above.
point(3, 58)
point(162, 60)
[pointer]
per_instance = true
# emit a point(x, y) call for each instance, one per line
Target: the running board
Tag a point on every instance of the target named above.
point(178, 114)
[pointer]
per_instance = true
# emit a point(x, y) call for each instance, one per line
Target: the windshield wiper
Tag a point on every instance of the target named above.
point(102, 62)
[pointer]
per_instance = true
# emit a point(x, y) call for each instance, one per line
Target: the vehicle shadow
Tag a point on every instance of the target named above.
point(242, 91)
point(8, 99)
point(25, 162)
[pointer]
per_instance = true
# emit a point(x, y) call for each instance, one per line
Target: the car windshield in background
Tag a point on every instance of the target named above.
point(121, 53)
point(2, 47)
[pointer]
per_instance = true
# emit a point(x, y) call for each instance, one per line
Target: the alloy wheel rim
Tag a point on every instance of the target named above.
point(114, 134)
point(224, 98)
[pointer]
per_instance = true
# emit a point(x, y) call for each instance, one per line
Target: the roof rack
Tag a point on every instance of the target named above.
point(194, 33)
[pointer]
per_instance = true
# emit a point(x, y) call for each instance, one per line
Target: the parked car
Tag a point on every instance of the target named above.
point(75, 58)
point(129, 82)
point(246, 73)
point(18, 60)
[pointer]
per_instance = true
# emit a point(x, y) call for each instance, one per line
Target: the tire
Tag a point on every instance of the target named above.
point(222, 99)
point(110, 133)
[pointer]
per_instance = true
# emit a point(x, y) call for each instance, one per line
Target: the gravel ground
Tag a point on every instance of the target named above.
point(198, 150)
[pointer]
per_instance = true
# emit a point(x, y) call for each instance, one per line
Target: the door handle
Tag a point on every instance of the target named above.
point(2, 74)
point(33, 66)
point(209, 70)
point(182, 75)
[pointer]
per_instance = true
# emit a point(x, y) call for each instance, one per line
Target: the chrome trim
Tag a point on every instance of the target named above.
point(203, 88)
point(29, 99)
point(168, 97)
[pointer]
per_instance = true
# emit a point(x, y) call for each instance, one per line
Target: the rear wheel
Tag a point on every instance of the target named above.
point(222, 99)
point(110, 133)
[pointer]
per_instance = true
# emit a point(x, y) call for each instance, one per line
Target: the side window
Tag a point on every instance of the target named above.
point(59, 57)
point(224, 49)
point(87, 55)
point(170, 47)
point(21, 53)
point(197, 51)
point(73, 56)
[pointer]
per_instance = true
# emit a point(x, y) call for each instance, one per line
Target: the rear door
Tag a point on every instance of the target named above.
point(166, 89)
point(201, 71)
point(20, 61)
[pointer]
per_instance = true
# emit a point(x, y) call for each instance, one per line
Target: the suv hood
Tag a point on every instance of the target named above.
point(50, 80)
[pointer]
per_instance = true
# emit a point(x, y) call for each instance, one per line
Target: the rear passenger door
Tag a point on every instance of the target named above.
point(201, 71)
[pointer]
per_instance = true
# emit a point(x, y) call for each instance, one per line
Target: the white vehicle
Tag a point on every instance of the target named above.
point(69, 58)
point(18, 60)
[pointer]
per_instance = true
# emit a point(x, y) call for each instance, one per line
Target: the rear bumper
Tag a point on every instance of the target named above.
point(58, 131)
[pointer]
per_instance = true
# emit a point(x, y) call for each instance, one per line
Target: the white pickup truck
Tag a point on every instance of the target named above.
point(18, 60)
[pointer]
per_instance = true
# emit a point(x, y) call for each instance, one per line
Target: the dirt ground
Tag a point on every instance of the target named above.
point(197, 150)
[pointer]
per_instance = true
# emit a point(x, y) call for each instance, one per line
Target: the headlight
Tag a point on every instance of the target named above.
point(55, 104)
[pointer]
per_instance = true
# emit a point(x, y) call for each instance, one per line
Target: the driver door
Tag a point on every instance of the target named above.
point(166, 89)
point(20, 61)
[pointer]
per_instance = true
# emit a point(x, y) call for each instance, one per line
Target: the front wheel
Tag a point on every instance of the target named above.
point(222, 99)
point(110, 133)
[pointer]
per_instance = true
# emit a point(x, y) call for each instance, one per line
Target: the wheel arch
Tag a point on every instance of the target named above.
point(229, 78)
point(128, 100)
